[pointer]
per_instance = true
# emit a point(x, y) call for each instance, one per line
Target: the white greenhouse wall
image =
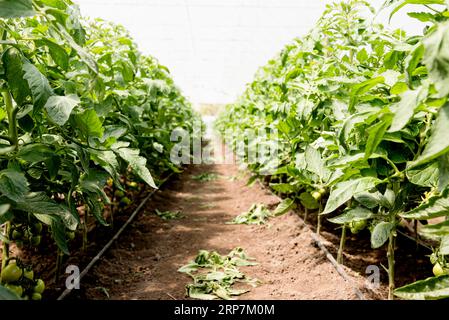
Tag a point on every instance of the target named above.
point(214, 47)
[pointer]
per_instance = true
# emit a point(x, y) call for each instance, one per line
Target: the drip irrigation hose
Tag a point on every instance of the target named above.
point(115, 237)
point(336, 265)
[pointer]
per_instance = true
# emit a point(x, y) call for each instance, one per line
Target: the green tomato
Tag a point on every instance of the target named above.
point(36, 240)
point(38, 227)
point(36, 296)
point(28, 274)
point(16, 289)
point(357, 226)
point(40, 286)
point(119, 194)
point(125, 201)
point(11, 273)
point(360, 225)
point(132, 185)
point(438, 270)
point(354, 230)
point(71, 235)
point(17, 235)
point(316, 195)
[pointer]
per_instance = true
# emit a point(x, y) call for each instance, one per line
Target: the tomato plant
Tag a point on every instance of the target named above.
point(360, 111)
point(80, 106)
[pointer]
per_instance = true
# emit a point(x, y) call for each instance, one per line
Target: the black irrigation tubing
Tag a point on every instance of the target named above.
point(115, 237)
point(318, 240)
point(419, 242)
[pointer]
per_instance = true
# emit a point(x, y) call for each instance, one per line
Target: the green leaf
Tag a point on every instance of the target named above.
point(45, 209)
point(375, 136)
point(436, 57)
point(96, 208)
point(425, 176)
point(345, 190)
point(285, 206)
point(444, 245)
point(13, 184)
point(422, 16)
point(438, 143)
point(4, 208)
point(5, 293)
point(362, 88)
point(58, 232)
point(137, 163)
point(436, 206)
point(399, 88)
point(5, 213)
point(89, 124)
point(3, 114)
point(369, 199)
point(435, 230)
point(405, 108)
point(362, 55)
point(381, 233)
point(16, 8)
point(429, 289)
point(405, 2)
point(108, 161)
point(308, 201)
point(59, 108)
point(38, 84)
point(84, 56)
point(12, 61)
point(315, 164)
point(285, 188)
point(57, 53)
point(356, 214)
point(443, 169)
point(59, 4)
point(35, 152)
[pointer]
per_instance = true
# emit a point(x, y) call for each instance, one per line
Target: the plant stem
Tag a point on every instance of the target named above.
point(5, 252)
point(114, 198)
point(342, 245)
point(12, 119)
point(390, 255)
point(58, 265)
point(320, 209)
point(86, 213)
point(415, 227)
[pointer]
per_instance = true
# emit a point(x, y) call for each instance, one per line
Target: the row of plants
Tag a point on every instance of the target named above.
point(81, 111)
point(360, 118)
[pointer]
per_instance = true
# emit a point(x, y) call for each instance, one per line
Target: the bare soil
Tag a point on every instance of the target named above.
point(144, 263)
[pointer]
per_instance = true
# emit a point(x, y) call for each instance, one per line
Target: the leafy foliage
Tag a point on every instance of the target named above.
point(80, 105)
point(169, 215)
point(360, 112)
point(206, 176)
point(214, 275)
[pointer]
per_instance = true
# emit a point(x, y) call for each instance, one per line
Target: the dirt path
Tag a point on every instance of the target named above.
point(144, 262)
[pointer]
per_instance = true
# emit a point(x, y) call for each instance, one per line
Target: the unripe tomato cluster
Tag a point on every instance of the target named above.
point(20, 279)
point(357, 226)
point(124, 201)
point(26, 234)
point(318, 194)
